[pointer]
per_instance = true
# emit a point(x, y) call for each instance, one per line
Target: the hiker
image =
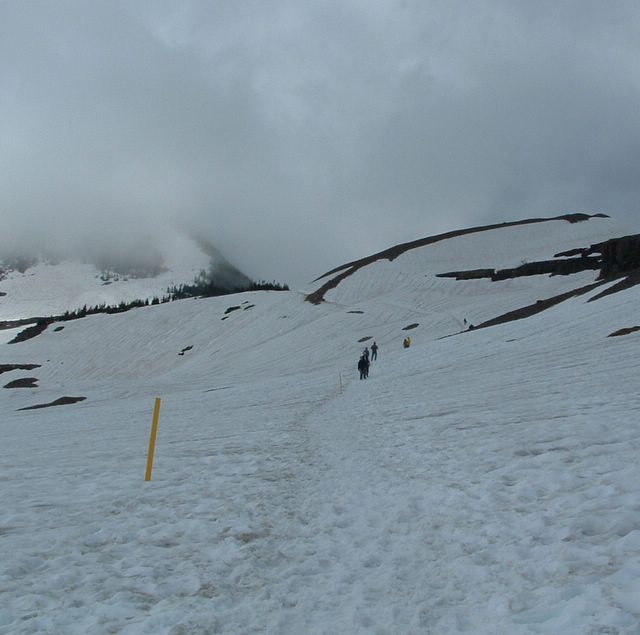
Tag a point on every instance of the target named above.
point(363, 367)
point(365, 352)
point(407, 342)
point(374, 351)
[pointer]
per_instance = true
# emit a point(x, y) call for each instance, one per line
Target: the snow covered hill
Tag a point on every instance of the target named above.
point(51, 288)
point(483, 481)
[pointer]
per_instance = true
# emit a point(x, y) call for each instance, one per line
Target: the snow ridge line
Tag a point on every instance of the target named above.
point(393, 252)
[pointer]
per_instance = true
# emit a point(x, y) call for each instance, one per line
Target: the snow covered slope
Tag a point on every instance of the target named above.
point(486, 482)
point(51, 289)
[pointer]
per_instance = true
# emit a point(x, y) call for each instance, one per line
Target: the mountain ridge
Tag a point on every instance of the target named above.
point(392, 253)
point(33, 287)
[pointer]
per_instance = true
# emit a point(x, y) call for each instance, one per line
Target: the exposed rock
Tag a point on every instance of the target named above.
point(627, 282)
point(553, 267)
point(612, 257)
point(571, 252)
point(12, 324)
point(542, 267)
point(620, 258)
point(32, 331)
point(537, 307)
point(471, 274)
point(627, 331)
point(619, 255)
point(5, 368)
point(411, 326)
point(62, 401)
point(24, 382)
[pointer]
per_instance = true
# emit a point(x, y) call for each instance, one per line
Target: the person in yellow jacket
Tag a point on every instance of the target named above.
point(407, 342)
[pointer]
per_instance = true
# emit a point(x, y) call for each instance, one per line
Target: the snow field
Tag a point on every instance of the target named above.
point(483, 483)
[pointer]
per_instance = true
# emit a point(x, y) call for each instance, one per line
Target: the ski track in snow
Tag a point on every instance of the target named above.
point(485, 483)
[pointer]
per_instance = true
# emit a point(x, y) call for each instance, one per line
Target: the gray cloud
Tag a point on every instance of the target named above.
point(299, 135)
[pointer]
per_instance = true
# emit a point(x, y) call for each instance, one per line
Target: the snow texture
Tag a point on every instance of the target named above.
point(482, 483)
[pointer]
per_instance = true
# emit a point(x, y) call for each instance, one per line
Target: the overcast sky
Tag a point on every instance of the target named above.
point(300, 134)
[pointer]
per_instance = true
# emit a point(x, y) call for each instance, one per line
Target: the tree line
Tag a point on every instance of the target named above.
point(201, 288)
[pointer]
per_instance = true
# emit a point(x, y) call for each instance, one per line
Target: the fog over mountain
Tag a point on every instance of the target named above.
point(297, 135)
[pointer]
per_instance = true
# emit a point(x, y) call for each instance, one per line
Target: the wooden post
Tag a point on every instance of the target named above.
point(152, 439)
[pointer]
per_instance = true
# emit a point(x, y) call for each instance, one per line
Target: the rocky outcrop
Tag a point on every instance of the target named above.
point(537, 307)
point(625, 331)
point(614, 258)
point(552, 267)
point(617, 259)
point(626, 281)
point(392, 253)
point(619, 255)
point(24, 382)
point(5, 368)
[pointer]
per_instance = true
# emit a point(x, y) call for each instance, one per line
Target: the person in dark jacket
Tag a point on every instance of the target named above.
point(363, 367)
point(374, 351)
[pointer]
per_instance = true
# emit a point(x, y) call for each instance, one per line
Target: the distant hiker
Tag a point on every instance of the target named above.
point(365, 352)
point(374, 351)
point(465, 321)
point(407, 342)
point(363, 367)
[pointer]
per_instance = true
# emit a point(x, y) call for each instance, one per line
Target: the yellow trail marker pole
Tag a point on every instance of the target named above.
point(152, 439)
